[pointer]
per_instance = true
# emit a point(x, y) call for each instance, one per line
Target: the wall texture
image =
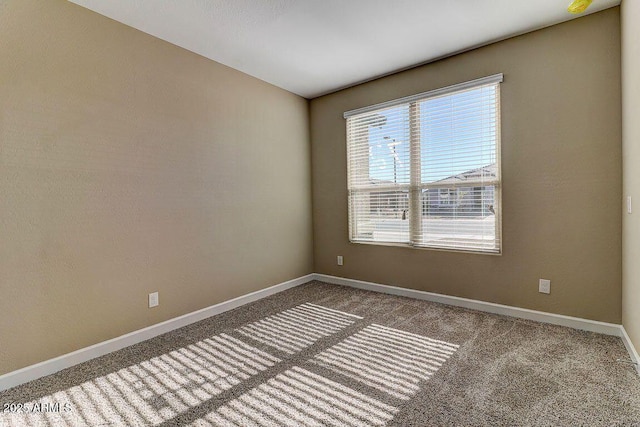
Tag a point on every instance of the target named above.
point(631, 171)
point(127, 166)
point(561, 157)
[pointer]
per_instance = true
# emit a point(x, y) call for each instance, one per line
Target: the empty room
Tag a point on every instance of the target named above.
point(319, 213)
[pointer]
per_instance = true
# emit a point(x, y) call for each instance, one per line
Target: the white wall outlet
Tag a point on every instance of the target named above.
point(340, 260)
point(629, 207)
point(544, 286)
point(153, 299)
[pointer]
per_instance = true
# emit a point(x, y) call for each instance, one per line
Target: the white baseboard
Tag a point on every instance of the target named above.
point(633, 354)
point(489, 307)
point(54, 365)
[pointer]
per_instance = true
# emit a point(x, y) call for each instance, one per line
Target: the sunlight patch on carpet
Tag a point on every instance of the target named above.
point(299, 397)
point(152, 391)
point(297, 328)
point(387, 359)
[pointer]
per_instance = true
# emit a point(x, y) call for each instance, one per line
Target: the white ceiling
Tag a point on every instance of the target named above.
point(313, 47)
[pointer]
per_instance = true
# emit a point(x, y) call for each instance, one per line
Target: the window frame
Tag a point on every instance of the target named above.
point(416, 188)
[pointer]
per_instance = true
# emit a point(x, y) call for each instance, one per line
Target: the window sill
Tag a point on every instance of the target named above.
point(428, 248)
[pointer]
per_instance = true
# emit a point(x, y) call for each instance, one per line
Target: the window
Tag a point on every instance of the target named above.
point(424, 170)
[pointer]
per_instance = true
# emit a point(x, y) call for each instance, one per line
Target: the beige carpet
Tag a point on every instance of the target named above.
point(321, 354)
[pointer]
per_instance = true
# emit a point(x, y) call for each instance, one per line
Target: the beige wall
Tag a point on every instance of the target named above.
point(561, 155)
point(129, 165)
point(631, 168)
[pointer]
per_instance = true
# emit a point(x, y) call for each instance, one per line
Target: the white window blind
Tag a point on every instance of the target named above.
point(425, 170)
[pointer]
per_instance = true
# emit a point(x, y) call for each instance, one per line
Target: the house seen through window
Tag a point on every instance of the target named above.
point(424, 170)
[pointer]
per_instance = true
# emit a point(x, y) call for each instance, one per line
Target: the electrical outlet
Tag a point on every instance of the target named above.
point(340, 260)
point(153, 299)
point(544, 287)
